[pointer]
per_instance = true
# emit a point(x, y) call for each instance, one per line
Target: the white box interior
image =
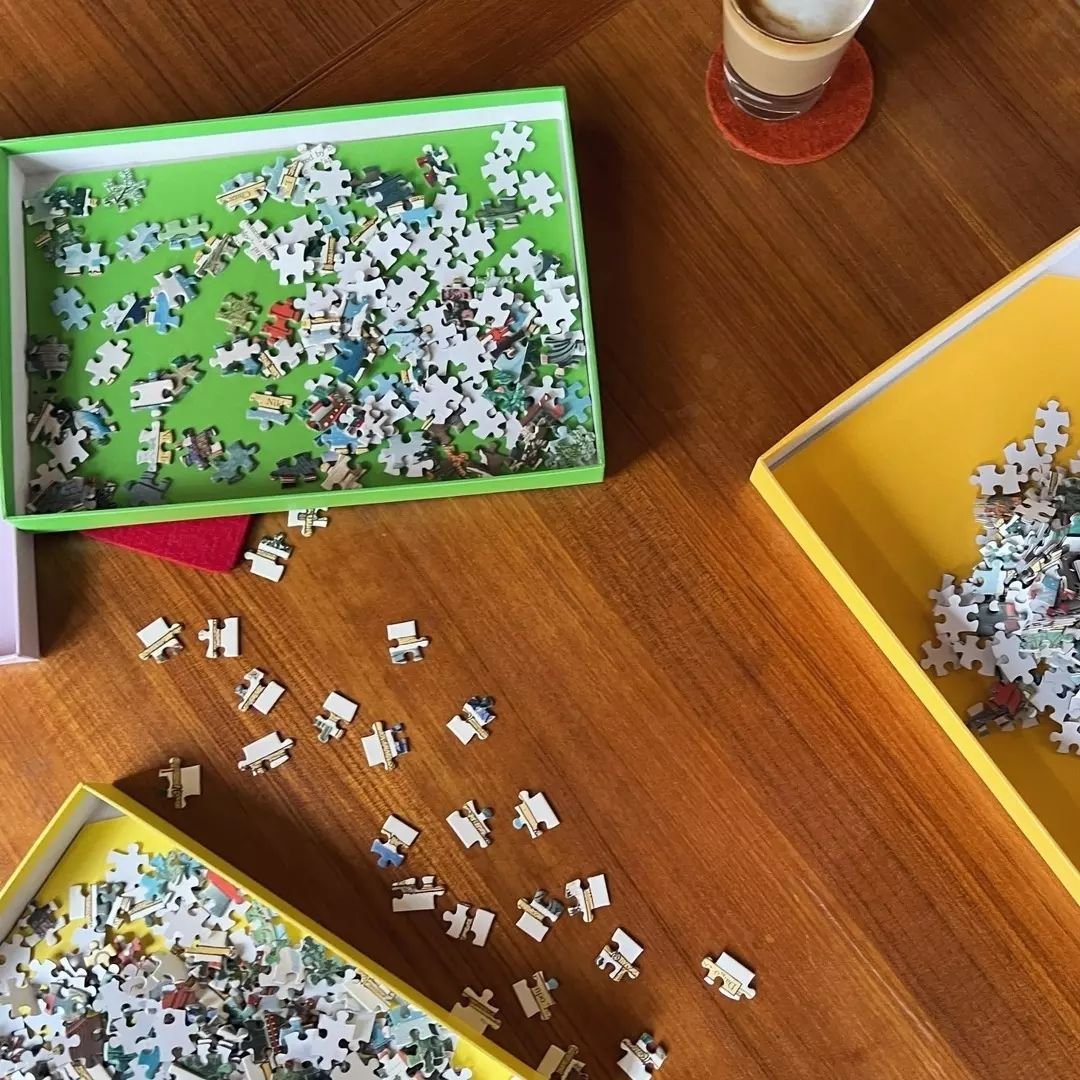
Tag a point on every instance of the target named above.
point(1064, 262)
point(32, 172)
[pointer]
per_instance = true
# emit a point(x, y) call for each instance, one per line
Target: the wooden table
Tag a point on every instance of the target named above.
point(716, 732)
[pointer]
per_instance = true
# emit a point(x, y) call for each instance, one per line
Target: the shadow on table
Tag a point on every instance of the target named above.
point(331, 879)
point(622, 344)
point(62, 578)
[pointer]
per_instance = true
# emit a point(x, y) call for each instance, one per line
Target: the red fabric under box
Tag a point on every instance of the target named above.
point(207, 544)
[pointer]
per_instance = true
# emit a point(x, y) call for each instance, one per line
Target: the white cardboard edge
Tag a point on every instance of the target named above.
point(1064, 262)
point(90, 808)
point(18, 597)
point(41, 166)
point(20, 382)
point(29, 173)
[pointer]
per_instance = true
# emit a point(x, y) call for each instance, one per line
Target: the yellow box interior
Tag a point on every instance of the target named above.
point(107, 820)
point(886, 489)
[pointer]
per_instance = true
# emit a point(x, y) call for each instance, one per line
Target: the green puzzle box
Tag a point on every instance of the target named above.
point(350, 305)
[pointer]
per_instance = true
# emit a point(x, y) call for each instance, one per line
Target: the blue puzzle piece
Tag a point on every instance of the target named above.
point(94, 423)
point(248, 366)
point(336, 219)
point(274, 175)
point(188, 282)
point(70, 307)
point(387, 855)
point(268, 417)
point(249, 206)
point(150, 1060)
point(520, 314)
point(350, 358)
point(336, 438)
point(119, 1061)
point(162, 318)
point(576, 407)
point(418, 216)
point(153, 887)
point(512, 362)
point(381, 385)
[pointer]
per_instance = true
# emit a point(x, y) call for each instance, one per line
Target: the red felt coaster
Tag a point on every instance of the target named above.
point(208, 544)
point(829, 126)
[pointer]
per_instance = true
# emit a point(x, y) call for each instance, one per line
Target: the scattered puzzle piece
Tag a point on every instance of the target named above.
point(474, 719)
point(730, 977)
point(70, 307)
point(404, 642)
point(160, 639)
point(183, 781)
point(469, 923)
point(337, 712)
point(477, 1011)
point(618, 957)
point(222, 637)
point(586, 898)
point(384, 745)
point(535, 995)
point(643, 1058)
point(534, 814)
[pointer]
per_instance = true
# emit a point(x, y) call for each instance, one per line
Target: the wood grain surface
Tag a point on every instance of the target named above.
point(716, 732)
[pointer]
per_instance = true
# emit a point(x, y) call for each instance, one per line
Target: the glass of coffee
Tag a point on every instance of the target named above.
point(780, 54)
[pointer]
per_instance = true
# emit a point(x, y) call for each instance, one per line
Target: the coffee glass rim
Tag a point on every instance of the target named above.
point(853, 25)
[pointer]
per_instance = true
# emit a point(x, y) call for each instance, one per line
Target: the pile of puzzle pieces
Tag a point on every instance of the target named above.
point(228, 994)
point(1017, 616)
point(433, 358)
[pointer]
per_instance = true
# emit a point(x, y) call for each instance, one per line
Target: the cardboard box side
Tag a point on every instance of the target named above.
point(28, 645)
point(578, 229)
point(8, 433)
point(295, 500)
point(488, 1054)
point(14, 379)
point(924, 346)
point(909, 670)
point(449, 105)
point(18, 597)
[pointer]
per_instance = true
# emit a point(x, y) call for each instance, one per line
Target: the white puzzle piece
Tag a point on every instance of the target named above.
point(538, 915)
point(470, 824)
point(534, 814)
point(535, 995)
point(620, 956)
point(559, 1064)
point(383, 745)
point(160, 639)
point(477, 1011)
point(269, 752)
point(730, 977)
point(469, 923)
point(643, 1058)
point(258, 694)
point(417, 893)
point(222, 637)
point(337, 711)
point(588, 896)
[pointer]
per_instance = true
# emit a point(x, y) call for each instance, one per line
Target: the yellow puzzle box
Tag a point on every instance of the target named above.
point(876, 488)
point(128, 950)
